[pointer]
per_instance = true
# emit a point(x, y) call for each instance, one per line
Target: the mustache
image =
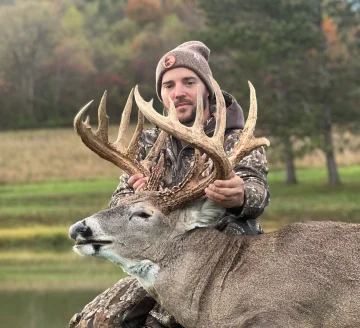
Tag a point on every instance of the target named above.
point(183, 101)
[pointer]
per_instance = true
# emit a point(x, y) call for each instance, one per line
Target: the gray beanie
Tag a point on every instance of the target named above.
point(193, 55)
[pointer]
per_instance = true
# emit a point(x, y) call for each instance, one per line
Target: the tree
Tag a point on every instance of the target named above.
point(336, 52)
point(27, 38)
point(280, 46)
point(267, 42)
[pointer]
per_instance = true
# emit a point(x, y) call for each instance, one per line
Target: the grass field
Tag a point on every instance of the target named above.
point(59, 155)
point(37, 216)
point(43, 271)
point(50, 180)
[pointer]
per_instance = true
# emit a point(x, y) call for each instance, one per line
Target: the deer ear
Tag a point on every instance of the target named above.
point(202, 216)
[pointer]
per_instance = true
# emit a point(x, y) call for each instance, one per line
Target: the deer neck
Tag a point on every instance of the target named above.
point(189, 269)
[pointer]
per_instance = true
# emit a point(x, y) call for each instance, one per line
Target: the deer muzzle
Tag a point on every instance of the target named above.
point(86, 241)
point(80, 230)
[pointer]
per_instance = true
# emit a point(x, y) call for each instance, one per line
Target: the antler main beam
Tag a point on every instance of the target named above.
point(116, 153)
point(247, 141)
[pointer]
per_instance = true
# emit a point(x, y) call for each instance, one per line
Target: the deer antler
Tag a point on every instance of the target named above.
point(193, 186)
point(116, 153)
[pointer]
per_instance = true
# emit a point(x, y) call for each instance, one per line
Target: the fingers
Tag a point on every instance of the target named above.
point(138, 182)
point(236, 199)
point(134, 178)
point(233, 181)
point(228, 193)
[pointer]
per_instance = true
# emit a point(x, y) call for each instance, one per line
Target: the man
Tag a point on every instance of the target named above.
point(245, 192)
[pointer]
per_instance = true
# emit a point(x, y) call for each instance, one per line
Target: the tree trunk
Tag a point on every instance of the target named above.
point(31, 93)
point(333, 175)
point(125, 299)
point(58, 85)
point(288, 150)
point(289, 162)
point(27, 94)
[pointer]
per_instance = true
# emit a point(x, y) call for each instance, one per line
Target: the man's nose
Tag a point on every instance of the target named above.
point(179, 91)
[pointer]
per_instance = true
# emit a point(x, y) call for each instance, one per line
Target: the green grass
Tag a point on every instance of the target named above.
point(35, 251)
point(312, 198)
point(30, 208)
point(24, 270)
point(53, 203)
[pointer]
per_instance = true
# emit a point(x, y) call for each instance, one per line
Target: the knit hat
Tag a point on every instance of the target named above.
point(193, 55)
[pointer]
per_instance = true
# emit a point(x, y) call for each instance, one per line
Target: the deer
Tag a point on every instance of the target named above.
point(306, 274)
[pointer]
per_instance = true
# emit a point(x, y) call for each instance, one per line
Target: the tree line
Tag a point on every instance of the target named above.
point(301, 55)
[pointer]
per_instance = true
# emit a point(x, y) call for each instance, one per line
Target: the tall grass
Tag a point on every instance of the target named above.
point(51, 155)
point(59, 154)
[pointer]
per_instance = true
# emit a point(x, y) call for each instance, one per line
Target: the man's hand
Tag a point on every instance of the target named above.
point(138, 182)
point(228, 193)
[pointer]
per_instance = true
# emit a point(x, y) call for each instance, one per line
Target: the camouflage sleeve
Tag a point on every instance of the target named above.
point(123, 189)
point(253, 170)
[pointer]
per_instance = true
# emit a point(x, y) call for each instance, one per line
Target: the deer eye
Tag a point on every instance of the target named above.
point(141, 214)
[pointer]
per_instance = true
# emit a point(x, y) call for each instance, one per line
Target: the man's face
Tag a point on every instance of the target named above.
point(180, 85)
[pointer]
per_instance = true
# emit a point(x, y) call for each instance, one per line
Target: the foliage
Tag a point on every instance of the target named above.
point(55, 56)
point(302, 57)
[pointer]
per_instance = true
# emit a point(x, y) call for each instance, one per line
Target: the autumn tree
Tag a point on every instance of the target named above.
point(281, 47)
point(337, 56)
point(28, 35)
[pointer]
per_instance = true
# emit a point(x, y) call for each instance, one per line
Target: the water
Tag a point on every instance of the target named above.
point(41, 309)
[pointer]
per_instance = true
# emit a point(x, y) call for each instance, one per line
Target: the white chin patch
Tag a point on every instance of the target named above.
point(84, 249)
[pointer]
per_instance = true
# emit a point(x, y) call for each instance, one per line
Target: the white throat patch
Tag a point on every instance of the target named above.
point(144, 270)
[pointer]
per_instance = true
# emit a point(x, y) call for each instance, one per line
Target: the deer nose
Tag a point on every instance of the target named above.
point(79, 229)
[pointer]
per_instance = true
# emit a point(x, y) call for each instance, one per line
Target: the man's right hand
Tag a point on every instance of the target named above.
point(138, 182)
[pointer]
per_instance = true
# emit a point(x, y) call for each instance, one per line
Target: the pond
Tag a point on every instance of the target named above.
point(42, 309)
point(44, 290)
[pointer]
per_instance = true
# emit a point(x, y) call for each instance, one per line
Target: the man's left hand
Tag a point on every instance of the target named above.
point(228, 193)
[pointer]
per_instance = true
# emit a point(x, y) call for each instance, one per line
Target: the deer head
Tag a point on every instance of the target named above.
point(137, 233)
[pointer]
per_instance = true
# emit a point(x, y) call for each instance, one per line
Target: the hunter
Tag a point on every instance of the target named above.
point(244, 193)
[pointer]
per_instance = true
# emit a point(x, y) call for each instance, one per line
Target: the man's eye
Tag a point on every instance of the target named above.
point(190, 83)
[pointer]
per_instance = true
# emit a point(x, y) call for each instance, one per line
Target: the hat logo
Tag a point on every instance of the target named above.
point(169, 61)
point(196, 56)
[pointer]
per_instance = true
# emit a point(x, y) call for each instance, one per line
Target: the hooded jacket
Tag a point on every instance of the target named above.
point(178, 159)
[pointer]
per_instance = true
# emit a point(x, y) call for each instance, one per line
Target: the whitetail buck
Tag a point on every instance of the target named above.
point(304, 275)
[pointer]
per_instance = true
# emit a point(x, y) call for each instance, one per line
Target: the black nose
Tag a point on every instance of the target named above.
point(79, 229)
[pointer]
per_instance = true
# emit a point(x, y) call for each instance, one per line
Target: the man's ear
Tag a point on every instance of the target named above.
point(207, 215)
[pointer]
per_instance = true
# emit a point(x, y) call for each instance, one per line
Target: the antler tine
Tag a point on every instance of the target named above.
point(103, 125)
point(98, 142)
point(124, 124)
point(247, 141)
point(220, 112)
point(125, 118)
point(199, 119)
point(78, 120)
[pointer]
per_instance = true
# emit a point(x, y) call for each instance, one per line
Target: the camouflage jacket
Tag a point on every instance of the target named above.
point(178, 159)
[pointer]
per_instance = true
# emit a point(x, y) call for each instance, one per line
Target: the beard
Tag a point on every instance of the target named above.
point(192, 115)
